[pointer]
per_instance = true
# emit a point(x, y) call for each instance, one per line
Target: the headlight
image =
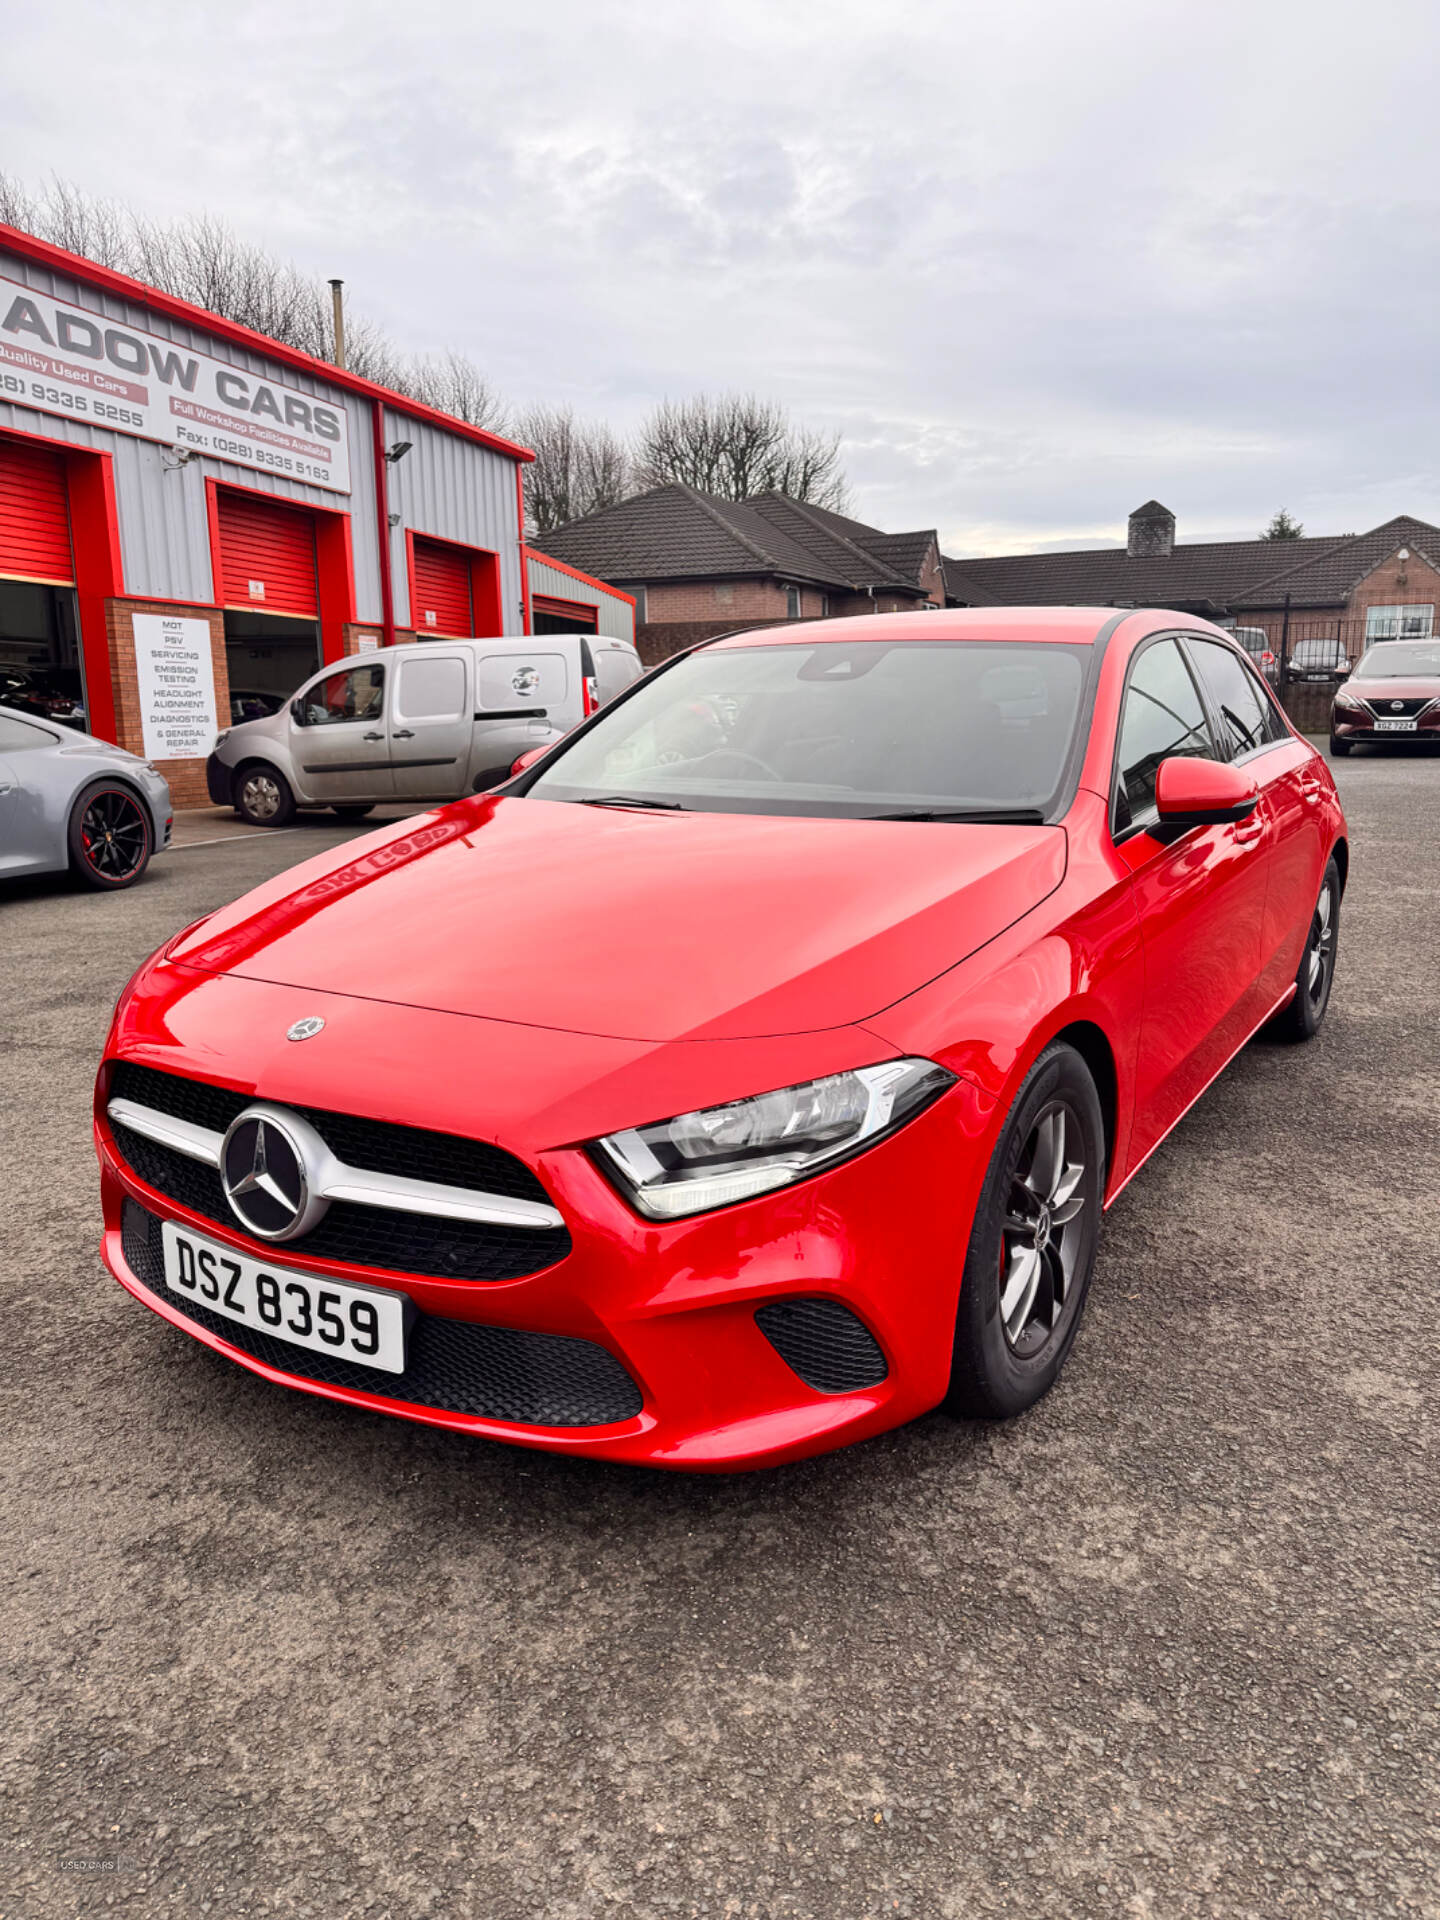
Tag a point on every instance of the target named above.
point(221, 738)
point(718, 1155)
point(1349, 702)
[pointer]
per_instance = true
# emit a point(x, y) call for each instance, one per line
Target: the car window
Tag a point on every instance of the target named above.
point(849, 729)
point(431, 688)
point(1163, 718)
point(358, 693)
point(18, 735)
point(1400, 662)
point(1250, 718)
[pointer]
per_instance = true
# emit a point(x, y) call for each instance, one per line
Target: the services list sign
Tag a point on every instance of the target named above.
point(177, 686)
point(61, 359)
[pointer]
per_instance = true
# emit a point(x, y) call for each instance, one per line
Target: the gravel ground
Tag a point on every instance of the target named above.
point(1167, 1646)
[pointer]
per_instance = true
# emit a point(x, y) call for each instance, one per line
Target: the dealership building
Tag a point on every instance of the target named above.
point(191, 511)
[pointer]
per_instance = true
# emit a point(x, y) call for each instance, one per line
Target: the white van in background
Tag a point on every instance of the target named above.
point(430, 720)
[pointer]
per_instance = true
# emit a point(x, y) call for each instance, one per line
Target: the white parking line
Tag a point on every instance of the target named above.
point(259, 833)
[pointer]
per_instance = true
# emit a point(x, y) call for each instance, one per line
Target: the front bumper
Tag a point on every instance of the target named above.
point(1362, 726)
point(218, 782)
point(675, 1303)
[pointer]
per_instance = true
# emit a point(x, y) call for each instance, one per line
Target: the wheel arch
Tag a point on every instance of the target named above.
point(1092, 1044)
point(1340, 853)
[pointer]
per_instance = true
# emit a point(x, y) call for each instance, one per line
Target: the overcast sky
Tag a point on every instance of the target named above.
point(1037, 261)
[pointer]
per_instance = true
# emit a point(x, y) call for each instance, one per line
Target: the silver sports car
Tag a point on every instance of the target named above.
point(68, 800)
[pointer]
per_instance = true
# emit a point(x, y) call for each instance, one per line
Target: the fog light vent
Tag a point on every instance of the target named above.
point(830, 1349)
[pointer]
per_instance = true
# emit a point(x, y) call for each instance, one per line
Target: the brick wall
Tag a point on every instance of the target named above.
point(1397, 583)
point(735, 601)
point(186, 777)
point(658, 640)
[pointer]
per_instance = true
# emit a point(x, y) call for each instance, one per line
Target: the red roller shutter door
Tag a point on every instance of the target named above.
point(442, 591)
point(269, 547)
point(34, 515)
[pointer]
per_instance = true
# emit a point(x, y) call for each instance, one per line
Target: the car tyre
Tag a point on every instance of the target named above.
point(263, 796)
point(1300, 1018)
point(1338, 748)
point(353, 813)
point(111, 836)
point(1032, 1246)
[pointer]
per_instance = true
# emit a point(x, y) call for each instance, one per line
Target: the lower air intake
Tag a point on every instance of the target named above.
point(492, 1373)
point(830, 1349)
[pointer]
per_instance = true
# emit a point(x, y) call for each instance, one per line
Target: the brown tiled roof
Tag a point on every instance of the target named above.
point(1200, 576)
point(675, 532)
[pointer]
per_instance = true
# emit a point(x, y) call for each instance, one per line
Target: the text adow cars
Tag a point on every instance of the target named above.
point(749, 1075)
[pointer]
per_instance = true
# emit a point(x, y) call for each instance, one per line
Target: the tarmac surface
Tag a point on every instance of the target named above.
point(1167, 1646)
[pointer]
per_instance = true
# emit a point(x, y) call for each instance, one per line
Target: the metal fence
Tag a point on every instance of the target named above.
point(1304, 657)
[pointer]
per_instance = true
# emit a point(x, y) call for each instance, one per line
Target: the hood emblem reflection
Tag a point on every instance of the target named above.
point(305, 1029)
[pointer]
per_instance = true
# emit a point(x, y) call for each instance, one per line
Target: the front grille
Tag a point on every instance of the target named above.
point(446, 1158)
point(830, 1349)
point(1384, 708)
point(492, 1373)
point(380, 1237)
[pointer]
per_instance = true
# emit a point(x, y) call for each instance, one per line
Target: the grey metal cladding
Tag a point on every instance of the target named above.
point(616, 618)
point(456, 490)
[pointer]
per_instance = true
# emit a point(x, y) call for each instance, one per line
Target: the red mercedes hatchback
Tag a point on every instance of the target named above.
point(750, 1074)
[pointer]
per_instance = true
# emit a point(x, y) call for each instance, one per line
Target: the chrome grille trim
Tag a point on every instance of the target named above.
point(336, 1181)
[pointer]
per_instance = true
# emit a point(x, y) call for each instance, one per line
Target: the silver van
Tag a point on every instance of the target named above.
point(429, 720)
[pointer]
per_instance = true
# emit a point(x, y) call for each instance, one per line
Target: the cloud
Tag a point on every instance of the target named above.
point(1035, 263)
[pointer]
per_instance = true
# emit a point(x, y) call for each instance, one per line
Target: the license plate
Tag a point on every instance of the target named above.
point(1395, 726)
point(364, 1325)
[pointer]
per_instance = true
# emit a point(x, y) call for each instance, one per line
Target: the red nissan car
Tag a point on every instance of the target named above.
point(749, 1075)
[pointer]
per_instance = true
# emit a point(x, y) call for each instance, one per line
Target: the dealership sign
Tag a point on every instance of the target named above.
point(177, 686)
point(60, 359)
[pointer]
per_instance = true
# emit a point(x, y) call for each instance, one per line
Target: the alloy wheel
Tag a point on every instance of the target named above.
point(114, 835)
point(1321, 951)
point(1040, 1238)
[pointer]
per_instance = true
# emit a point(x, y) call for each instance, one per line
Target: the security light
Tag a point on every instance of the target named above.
point(399, 450)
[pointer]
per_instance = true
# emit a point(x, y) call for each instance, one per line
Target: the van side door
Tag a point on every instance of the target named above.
point(337, 736)
point(430, 723)
point(524, 696)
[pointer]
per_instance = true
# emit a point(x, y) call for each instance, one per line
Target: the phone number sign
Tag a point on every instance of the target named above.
point(62, 359)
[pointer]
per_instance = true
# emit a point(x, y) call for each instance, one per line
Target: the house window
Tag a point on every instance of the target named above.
point(1413, 622)
point(792, 603)
point(641, 612)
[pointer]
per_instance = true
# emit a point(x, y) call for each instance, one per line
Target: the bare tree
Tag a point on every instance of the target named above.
point(736, 446)
point(202, 260)
point(455, 385)
point(579, 467)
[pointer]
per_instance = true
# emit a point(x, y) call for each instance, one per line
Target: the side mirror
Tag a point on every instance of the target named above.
point(1202, 793)
point(528, 759)
point(297, 712)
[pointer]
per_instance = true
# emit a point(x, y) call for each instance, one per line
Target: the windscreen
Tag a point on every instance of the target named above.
point(1401, 660)
point(868, 729)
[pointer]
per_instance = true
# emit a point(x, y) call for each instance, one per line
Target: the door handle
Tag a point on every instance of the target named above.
point(402, 733)
point(1247, 833)
point(372, 736)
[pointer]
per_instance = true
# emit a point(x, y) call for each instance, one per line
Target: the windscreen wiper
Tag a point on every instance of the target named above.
point(631, 800)
point(993, 816)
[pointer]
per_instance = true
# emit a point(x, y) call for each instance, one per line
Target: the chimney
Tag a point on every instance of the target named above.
point(1152, 532)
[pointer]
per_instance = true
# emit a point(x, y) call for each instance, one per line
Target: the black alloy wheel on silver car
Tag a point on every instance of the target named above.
point(1032, 1247)
point(111, 837)
point(263, 796)
point(1300, 1018)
